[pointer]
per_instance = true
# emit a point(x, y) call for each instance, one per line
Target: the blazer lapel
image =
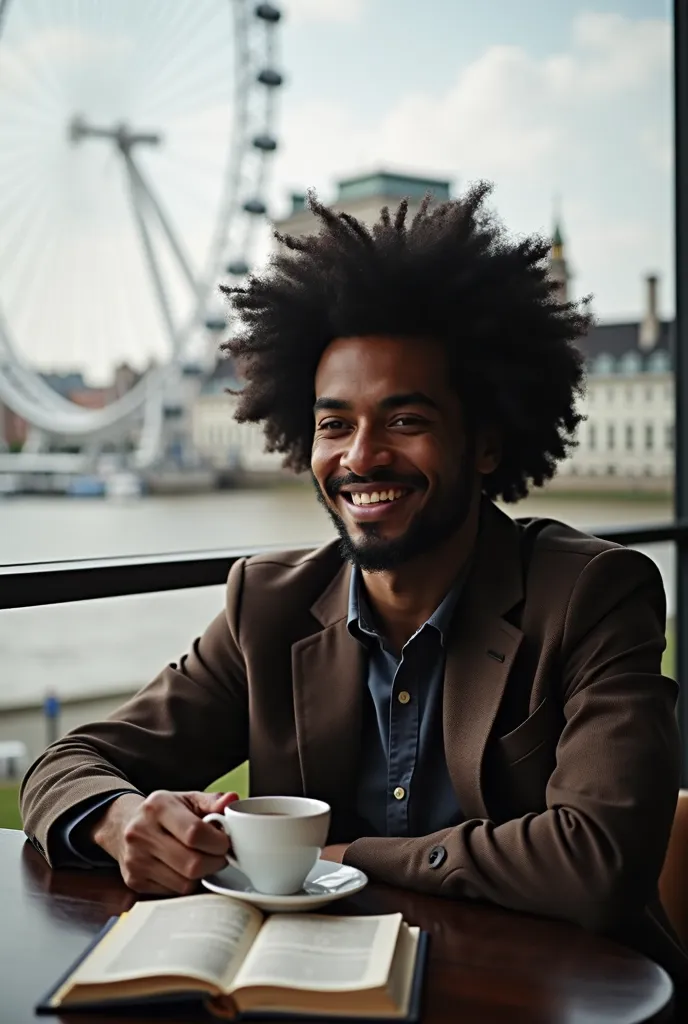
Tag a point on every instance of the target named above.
point(480, 653)
point(328, 672)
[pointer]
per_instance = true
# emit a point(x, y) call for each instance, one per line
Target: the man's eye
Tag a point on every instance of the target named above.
point(332, 425)
point(407, 421)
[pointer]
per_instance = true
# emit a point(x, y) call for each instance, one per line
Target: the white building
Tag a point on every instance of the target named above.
point(628, 433)
point(363, 196)
point(627, 436)
point(218, 437)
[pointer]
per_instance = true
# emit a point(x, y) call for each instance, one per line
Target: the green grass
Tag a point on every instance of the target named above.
point(669, 659)
point(9, 807)
point(9, 794)
point(236, 780)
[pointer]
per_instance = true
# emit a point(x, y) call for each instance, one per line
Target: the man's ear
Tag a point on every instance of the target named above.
point(488, 450)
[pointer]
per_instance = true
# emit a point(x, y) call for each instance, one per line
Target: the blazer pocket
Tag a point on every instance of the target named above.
point(542, 726)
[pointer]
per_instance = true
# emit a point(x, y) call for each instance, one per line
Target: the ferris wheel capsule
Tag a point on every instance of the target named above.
point(238, 268)
point(268, 12)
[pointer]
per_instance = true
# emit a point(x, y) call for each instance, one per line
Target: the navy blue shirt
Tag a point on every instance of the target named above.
point(404, 787)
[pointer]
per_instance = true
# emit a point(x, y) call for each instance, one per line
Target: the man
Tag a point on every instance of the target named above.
point(480, 700)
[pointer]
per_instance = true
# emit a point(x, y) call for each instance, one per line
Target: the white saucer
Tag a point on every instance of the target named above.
point(326, 882)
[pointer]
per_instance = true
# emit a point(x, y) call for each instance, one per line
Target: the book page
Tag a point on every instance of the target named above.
point(204, 937)
point(320, 953)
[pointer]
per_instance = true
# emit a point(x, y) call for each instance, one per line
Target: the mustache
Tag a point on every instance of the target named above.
point(414, 481)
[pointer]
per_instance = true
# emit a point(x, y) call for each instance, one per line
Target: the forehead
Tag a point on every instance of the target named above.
point(371, 367)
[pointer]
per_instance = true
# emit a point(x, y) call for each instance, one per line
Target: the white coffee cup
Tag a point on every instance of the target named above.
point(276, 839)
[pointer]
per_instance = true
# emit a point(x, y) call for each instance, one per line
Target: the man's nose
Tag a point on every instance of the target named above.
point(366, 452)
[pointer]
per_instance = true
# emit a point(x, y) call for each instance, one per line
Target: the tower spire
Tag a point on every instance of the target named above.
point(558, 267)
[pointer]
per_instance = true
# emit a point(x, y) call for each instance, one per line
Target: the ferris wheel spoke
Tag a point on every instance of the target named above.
point(26, 217)
point(164, 58)
point(184, 69)
point(189, 93)
point(25, 106)
point(27, 271)
point(34, 323)
point(188, 97)
point(37, 69)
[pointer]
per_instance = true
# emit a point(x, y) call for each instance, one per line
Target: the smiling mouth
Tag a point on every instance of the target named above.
point(375, 497)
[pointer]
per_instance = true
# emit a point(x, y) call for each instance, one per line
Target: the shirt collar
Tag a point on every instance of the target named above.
point(360, 620)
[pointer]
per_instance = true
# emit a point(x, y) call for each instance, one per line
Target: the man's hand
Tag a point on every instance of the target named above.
point(335, 852)
point(160, 842)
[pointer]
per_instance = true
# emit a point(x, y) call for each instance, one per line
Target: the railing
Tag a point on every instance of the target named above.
point(43, 583)
point(48, 583)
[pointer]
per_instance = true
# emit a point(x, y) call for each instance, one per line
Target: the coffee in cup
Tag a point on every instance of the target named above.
point(276, 839)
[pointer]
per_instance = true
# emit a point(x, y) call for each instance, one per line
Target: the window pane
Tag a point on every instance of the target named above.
point(90, 656)
point(611, 434)
point(90, 311)
point(629, 437)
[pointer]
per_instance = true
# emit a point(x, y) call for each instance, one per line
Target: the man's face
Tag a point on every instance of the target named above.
point(391, 460)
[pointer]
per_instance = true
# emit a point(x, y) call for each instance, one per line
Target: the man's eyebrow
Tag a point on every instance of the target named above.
point(409, 398)
point(391, 402)
point(331, 403)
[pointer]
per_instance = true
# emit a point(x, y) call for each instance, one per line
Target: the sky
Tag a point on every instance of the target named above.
point(565, 104)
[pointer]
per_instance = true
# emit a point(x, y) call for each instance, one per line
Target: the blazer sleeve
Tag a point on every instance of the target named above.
point(181, 732)
point(595, 854)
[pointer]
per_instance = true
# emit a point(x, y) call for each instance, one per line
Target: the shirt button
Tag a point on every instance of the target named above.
point(404, 697)
point(399, 793)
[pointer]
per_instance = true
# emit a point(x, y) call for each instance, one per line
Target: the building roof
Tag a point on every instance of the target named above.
point(65, 383)
point(617, 339)
point(390, 185)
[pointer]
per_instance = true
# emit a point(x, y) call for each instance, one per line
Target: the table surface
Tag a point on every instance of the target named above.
point(486, 965)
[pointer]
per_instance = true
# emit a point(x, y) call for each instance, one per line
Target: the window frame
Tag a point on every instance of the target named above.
point(34, 584)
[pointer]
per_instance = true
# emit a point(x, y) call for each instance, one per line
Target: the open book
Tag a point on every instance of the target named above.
point(242, 962)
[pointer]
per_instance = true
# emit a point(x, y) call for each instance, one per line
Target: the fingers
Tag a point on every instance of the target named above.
point(207, 803)
point(224, 800)
point(162, 880)
point(166, 846)
point(188, 862)
point(191, 831)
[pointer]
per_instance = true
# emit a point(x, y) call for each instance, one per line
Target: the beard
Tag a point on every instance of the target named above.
point(436, 522)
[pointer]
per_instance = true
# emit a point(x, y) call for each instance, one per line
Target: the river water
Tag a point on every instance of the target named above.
point(115, 645)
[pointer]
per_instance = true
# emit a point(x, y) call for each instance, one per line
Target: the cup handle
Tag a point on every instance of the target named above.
point(221, 820)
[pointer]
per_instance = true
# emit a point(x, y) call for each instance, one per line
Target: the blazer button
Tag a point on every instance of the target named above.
point(437, 856)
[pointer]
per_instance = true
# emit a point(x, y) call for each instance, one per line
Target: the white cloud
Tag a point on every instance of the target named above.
point(324, 10)
point(536, 126)
point(617, 53)
point(506, 112)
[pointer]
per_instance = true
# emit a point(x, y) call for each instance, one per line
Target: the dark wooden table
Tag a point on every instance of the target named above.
point(486, 965)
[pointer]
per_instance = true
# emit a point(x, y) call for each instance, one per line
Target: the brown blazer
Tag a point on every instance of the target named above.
point(559, 728)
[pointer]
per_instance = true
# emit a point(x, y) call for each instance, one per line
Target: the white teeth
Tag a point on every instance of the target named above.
point(375, 497)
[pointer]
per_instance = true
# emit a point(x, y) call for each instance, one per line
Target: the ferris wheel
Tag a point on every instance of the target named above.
point(135, 143)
